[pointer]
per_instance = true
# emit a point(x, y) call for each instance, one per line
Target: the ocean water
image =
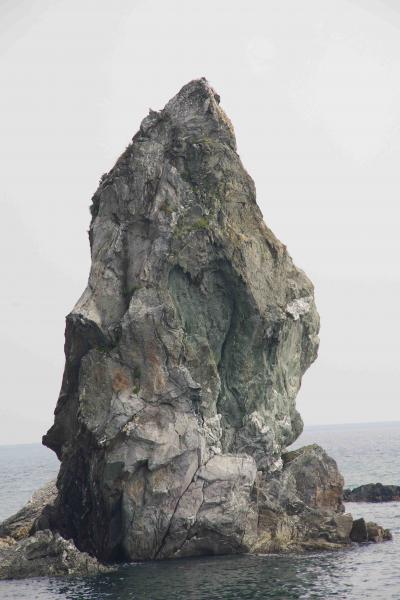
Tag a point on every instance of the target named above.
point(364, 453)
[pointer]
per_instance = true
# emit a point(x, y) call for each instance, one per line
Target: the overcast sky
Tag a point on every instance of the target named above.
point(313, 90)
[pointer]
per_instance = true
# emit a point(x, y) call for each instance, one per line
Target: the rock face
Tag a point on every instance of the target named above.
point(373, 492)
point(184, 356)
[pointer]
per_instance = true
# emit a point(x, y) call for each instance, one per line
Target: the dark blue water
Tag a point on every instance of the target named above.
point(364, 453)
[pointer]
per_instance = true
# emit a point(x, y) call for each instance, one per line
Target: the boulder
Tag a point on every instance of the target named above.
point(376, 533)
point(359, 532)
point(45, 554)
point(300, 508)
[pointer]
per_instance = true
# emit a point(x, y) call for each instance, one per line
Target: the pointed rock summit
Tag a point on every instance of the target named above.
point(184, 356)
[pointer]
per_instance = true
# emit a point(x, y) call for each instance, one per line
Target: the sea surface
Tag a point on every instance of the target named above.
point(365, 453)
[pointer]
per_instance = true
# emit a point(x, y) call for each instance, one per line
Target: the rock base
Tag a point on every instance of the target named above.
point(44, 554)
point(27, 551)
point(297, 508)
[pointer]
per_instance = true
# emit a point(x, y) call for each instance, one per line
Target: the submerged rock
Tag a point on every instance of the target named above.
point(184, 356)
point(373, 492)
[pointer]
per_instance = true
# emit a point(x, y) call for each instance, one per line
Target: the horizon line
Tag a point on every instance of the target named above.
point(305, 427)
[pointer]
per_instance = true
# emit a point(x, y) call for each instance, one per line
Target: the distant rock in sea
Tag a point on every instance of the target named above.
point(184, 356)
point(372, 492)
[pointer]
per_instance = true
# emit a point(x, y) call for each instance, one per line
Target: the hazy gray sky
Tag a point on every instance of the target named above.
point(313, 90)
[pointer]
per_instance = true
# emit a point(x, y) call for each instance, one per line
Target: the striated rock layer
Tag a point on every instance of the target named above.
point(184, 356)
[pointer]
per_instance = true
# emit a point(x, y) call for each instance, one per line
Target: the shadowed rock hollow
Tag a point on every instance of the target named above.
point(184, 356)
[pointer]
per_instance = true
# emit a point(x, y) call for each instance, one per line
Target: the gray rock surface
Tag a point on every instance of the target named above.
point(45, 554)
point(184, 356)
point(185, 353)
point(29, 549)
point(377, 533)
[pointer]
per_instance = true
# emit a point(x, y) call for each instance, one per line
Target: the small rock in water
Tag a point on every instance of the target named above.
point(372, 492)
point(376, 533)
point(184, 356)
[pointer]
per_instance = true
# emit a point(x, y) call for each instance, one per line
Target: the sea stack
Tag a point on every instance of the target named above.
point(184, 356)
point(185, 352)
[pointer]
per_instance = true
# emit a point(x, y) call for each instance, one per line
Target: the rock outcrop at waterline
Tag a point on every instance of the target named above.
point(185, 352)
point(184, 356)
point(46, 554)
point(367, 531)
point(19, 526)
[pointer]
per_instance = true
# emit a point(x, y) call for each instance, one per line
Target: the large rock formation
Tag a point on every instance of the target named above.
point(184, 356)
point(19, 526)
point(369, 531)
point(186, 350)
